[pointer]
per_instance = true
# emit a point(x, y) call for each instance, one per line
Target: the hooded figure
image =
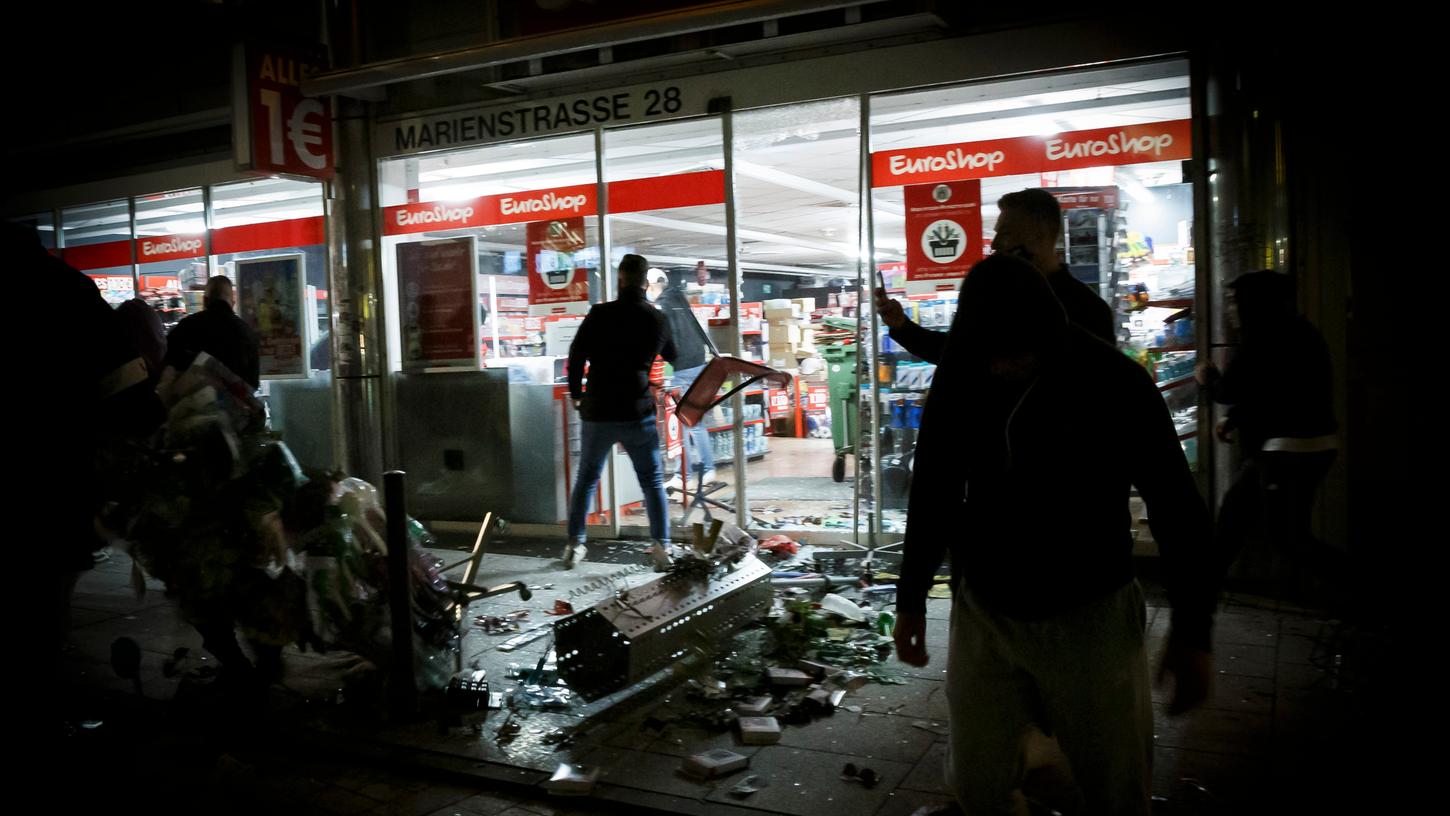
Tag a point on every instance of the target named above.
point(1033, 435)
point(1278, 389)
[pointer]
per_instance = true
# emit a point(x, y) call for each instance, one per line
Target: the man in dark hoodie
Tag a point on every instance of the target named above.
point(1034, 432)
point(1282, 416)
point(1028, 226)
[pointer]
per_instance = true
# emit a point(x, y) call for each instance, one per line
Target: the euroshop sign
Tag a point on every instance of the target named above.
point(1131, 144)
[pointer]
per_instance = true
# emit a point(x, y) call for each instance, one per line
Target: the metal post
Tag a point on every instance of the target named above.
point(732, 261)
point(403, 689)
point(207, 223)
point(355, 284)
point(606, 278)
point(870, 357)
point(131, 242)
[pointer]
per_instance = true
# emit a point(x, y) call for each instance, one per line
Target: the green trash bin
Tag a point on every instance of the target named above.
point(841, 382)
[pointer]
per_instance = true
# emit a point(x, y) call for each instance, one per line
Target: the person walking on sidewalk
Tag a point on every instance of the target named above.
point(1033, 435)
point(619, 342)
point(1028, 226)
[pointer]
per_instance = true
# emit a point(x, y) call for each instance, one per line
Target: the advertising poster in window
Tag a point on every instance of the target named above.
point(558, 280)
point(438, 289)
point(943, 233)
point(272, 299)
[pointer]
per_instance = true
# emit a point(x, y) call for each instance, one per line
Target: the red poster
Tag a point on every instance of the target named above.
point(554, 276)
point(779, 401)
point(287, 132)
point(436, 287)
point(1104, 147)
point(943, 230)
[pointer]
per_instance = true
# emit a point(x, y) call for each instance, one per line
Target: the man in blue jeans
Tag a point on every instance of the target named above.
point(619, 342)
point(692, 348)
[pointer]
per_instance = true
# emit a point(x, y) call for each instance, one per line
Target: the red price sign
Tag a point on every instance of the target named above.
point(278, 129)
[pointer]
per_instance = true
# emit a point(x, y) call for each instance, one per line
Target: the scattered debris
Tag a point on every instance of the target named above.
point(748, 785)
point(759, 730)
point(526, 637)
point(865, 776)
point(561, 607)
point(754, 707)
point(713, 764)
point(788, 677)
point(572, 780)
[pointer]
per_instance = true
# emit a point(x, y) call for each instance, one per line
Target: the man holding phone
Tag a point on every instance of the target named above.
point(1028, 225)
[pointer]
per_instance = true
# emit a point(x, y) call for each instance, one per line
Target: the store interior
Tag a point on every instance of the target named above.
point(798, 178)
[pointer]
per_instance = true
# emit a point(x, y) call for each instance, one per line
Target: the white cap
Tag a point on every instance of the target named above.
point(656, 275)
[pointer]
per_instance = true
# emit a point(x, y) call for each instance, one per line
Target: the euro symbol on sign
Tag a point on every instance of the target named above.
point(306, 133)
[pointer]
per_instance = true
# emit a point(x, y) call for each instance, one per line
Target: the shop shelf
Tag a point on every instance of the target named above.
point(1172, 303)
point(1175, 383)
point(732, 427)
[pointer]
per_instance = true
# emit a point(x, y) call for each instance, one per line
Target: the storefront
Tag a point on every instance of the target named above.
point(776, 197)
point(266, 234)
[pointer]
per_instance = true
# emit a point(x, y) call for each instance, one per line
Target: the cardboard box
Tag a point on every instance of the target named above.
point(713, 764)
point(754, 707)
point(759, 730)
point(784, 333)
point(788, 677)
point(781, 315)
point(806, 305)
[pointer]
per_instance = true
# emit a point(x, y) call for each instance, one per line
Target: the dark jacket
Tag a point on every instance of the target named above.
point(217, 331)
point(619, 340)
point(1082, 305)
point(689, 337)
point(1279, 383)
point(1027, 484)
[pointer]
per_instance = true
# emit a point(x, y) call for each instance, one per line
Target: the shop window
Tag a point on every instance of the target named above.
point(278, 218)
point(171, 249)
point(797, 172)
point(513, 228)
point(96, 239)
point(1109, 144)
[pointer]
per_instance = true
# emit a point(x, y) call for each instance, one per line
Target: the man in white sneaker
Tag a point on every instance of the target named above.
point(619, 342)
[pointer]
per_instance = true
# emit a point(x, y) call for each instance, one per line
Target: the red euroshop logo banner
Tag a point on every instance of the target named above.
point(296, 232)
point(98, 256)
point(632, 195)
point(170, 248)
point(943, 229)
point(1131, 144)
point(289, 133)
point(554, 277)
